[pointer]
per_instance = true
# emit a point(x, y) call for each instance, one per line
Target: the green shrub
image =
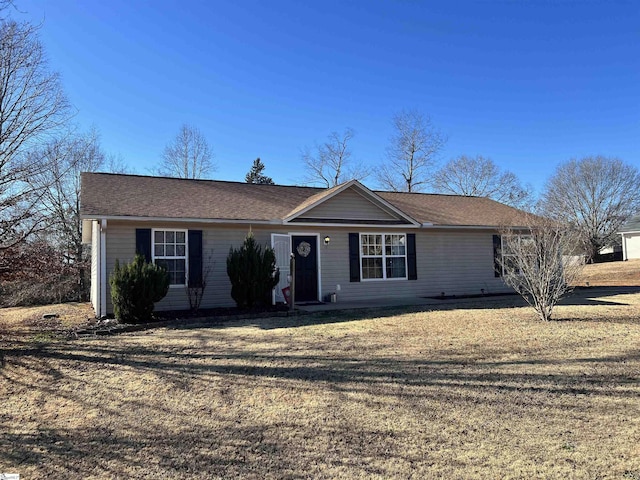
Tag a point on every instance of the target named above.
point(135, 287)
point(253, 273)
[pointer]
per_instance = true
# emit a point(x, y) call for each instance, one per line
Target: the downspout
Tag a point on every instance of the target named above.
point(103, 268)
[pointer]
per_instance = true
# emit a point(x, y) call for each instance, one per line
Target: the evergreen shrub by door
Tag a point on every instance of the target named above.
point(135, 287)
point(253, 273)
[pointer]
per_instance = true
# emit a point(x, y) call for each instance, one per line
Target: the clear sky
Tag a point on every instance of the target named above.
point(529, 84)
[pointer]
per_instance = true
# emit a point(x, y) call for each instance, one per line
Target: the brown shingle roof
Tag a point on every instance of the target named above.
point(455, 210)
point(141, 196)
point(105, 194)
point(631, 225)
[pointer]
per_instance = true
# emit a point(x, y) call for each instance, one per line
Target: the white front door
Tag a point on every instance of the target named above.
point(281, 245)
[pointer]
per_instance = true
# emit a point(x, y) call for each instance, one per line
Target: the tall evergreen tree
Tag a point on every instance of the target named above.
point(255, 174)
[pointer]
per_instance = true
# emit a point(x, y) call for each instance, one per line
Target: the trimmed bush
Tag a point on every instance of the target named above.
point(135, 287)
point(253, 273)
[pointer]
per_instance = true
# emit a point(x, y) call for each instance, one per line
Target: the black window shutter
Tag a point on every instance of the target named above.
point(195, 258)
point(354, 257)
point(143, 243)
point(412, 269)
point(497, 253)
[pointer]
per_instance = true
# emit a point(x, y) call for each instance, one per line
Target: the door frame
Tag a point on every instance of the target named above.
point(318, 261)
point(274, 293)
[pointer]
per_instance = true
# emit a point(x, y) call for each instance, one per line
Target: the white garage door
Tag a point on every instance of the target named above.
point(633, 245)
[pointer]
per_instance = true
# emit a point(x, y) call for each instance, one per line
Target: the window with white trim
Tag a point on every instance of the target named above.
point(383, 256)
point(513, 246)
point(169, 249)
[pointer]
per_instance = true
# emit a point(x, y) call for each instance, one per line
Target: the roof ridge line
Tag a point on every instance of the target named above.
point(201, 180)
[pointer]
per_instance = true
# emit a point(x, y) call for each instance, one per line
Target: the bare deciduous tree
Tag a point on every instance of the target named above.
point(116, 164)
point(6, 5)
point(188, 155)
point(330, 164)
point(411, 154)
point(195, 292)
point(538, 264)
point(32, 105)
point(594, 194)
point(59, 188)
point(481, 177)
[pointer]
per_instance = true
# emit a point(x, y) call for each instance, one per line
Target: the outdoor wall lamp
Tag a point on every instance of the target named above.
point(327, 239)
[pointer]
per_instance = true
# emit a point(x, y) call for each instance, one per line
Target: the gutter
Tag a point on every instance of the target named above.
point(282, 222)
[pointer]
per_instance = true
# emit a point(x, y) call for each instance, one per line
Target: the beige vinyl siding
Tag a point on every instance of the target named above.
point(349, 205)
point(121, 245)
point(455, 262)
point(216, 242)
point(95, 265)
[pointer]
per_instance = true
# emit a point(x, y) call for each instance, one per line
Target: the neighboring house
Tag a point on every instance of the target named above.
point(610, 250)
point(630, 233)
point(347, 240)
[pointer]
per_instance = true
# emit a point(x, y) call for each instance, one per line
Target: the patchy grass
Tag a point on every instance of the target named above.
point(611, 274)
point(453, 393)
point(28, 322)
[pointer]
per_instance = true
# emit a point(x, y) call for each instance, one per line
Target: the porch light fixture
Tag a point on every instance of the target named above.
point(327, 239)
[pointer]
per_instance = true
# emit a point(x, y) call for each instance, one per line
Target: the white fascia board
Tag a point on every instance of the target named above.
point(350, 225)
point(218, 221)
point(363, 192)
point(320, 201)
point(179, 219)
point(472, 227)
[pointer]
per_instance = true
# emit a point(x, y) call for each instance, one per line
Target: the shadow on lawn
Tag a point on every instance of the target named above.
point(589, 292)
point(143, 453)
point(594, 296)
point(228, 451)
point(235, 447)
point(133, 438)
point(459, 369)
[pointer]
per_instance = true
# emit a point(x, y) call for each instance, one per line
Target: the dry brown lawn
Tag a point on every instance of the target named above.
point(467, 392)
point(617, 274)
point(18, 322)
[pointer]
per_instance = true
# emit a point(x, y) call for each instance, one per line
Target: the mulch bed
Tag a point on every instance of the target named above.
point(219, 312)
point(480, 295)
point(210, 316)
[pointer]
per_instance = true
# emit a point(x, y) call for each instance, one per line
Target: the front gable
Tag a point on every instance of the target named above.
point(351, 203)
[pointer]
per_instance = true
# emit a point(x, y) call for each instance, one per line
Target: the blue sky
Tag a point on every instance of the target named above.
point(529, 84)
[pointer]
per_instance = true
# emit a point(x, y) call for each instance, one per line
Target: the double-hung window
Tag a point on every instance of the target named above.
point(383, 256)
point(170, 251)
point(516, 250)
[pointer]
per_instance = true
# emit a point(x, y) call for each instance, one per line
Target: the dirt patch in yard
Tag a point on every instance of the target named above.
point(455, 393)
